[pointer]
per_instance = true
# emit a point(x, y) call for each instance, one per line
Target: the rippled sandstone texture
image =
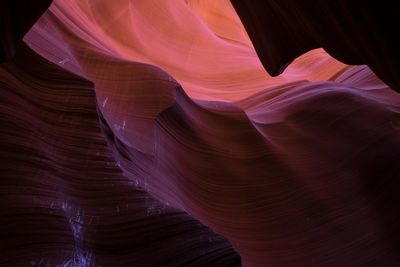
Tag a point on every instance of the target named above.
point(64, 200)
point(295, 170)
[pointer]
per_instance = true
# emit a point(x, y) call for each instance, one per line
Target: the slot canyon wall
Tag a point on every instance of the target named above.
point(199, 133)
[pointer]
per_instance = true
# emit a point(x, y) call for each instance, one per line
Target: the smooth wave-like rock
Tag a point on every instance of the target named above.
point(298, 178)
point(64, 201)
point(295, 170)
point(207, 66)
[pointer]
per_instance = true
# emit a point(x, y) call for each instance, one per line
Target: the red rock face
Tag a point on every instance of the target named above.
point(64, 200)
point(300, 169)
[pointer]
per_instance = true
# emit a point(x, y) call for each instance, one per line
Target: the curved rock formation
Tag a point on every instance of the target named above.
point(295, 170)
point(64, 200)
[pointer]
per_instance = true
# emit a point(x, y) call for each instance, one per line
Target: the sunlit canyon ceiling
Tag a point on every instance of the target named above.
point(199, 133)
